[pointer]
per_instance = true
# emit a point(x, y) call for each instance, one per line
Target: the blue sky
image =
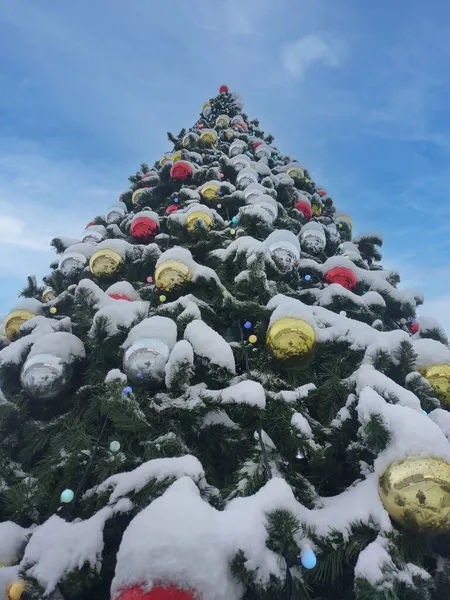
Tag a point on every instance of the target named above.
point(358, 92)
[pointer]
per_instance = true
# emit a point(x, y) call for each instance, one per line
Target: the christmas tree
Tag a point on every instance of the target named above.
point(219, 393)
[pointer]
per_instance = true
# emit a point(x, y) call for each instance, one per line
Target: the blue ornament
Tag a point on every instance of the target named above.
point(307, 277)
point(425, 413)
point(234, 220)
point(176, 200)
point(139, 375)
point(308, 559)
point(248, 153)
point(220, 192)
point(67, 496)
point(197, 160)
point(259, 179)
point(150, 189)
point(247, 325)
point(127, 390)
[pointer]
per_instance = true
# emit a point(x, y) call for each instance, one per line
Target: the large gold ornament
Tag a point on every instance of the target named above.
point(172, 273)
point(105, 262)
point(165, 159)
point(16, 590)
point(14, 320)
point(222, 121)
point(191, 219)
point(177, 156)
point(210, 191)
point(290, 338)
point(416, 494)
point(209, 136)
point(137, 193)
point(295, 172)
point(48, 295)
point(439, 379)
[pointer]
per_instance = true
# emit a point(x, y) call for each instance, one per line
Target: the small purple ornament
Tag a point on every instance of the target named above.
point(127, 390)
point(140, 375)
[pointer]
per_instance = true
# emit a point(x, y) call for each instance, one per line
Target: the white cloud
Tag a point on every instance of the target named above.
point(297, 56)
point(439, 309)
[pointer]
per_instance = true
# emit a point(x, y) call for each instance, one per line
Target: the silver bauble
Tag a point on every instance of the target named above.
point(313, 241)
point(237, 147)
point(145, 360)
point(246, 177)
point(92, 237)
point(44, 376)
point(241, 161)
point(115, 214)
point(285, 255)
point(71, 262)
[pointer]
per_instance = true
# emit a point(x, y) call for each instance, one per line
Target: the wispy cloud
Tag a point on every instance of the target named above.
point(300, 55)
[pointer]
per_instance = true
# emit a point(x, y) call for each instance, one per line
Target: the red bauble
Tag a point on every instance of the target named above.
point(343, 276)
point(241, 126)
point(305, 208)
point(172, 208)
point(90, 224)
point(322, 193)
point(157, 593)
point(181, 170)
point(413, 327)
point(256, 144)
point(120, 297)
point(223, 89)
point(144, 228)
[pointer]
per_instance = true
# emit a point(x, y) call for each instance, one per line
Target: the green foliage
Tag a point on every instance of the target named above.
point(376, 434)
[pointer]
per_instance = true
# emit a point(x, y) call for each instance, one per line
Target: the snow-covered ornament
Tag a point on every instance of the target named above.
point(190, 140)
point(265, 202)
point(246, 177)
point(229, 134)
point(116, 212)
point(16, 590)
point(312, 238)
point(171, 274)
point(295, 171)
point(192, 218)
point(45, 376)
point(147, 357)
point(105, 262)
point(208, 136)
point(14, 320)
point(157, 593)
point(263, 151)
point(177, 156)
point(342, 276)
point(144, 226)
point(210, 190)
point(138, 193)
point(284, 249)
point(91, 236)
point(71, 262)
point(239, 162)
point(416, 494)
point(254, 190)
point(168, 157)
point(181, 170)
point(48, 295)
point(237, 147)
point(438, 376)
point(304, 206)
point(206, 110)
point(290, 338)
point(342, 219)
point(222, 121)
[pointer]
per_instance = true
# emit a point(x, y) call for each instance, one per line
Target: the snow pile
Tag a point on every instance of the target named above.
point(244, 392)
point(115, 376)
point(156, 328)
point(300, 423)
point(183, 255)
point(181, 356)
point(12, 538)
point(210, 345)
point(372, 560)
point(65, 346)
point(367, 375)
point(291, 396)
point(430, 353)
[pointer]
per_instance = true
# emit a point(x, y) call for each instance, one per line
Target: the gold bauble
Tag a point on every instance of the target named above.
point(14, 320)
point(209, 136)
point(48, 295)
point(191, 219)
point(177, 156)
point(295, 172)
point(223, 121)
point(345, 218)
point(439, 379)
point(316, 210)
point(416, 494)
point(165, 159)
point(290, 338)
point(210, 191)
point(137, 193)
point(172, 273)
point(105, 262)
point(16, 590)
point(230, 134)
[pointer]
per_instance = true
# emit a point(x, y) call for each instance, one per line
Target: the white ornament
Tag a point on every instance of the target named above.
point(284, 248)
point(145, 360)
point(71, 263)
point(115, 214)
point(267, 203)
point(254, 190)
point(237, 147)
point(44, 376)
point(241, 161)
point(92, 237)
point(263, 151)
point(312, 237)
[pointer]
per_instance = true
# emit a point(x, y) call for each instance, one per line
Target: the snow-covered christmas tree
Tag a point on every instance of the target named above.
point(220, 394)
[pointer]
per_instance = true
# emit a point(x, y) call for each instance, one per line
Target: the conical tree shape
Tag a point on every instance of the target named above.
point(218, 393)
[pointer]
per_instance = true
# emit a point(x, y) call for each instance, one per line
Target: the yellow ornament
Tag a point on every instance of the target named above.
point(191, 219)
point(162, 298)
point(253, 339)
point(208, 136)
point(165, 159)
point(14, 320)
point(177, 156)
point(295, 172)
point(233, 231)
point(290, 338)
point(306, 180)
point(53, 310)
point(16, 590)
point(172, 273)
point(105, 262)
point(48, 295)
point(439, 379)
point(416, 494)
point(316, 210)
point(229, 134)
point(210, 191)
point(137, 194)
point(223, 121)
